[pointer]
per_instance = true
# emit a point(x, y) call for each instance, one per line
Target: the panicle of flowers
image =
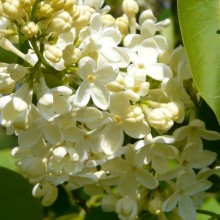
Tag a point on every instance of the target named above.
point(100, 103)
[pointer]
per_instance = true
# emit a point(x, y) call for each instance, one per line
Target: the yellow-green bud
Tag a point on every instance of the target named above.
point(108, 19)
point(53, 53)
point(123, 24)
point(13, 9)
point(61, 22)
point(30, 29)
point(71, 54)
point(130, 7)
point(44, 10)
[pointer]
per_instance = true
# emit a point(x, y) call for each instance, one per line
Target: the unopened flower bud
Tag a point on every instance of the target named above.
point(53, 53)
point(13, 9)
point(117, 85)
point(159, 118)
point(81, 15)
point(130, 7)
point(108, 19)
point(177, 110)
point(27, 4)
point(30, 29)
point(145, 15)
point(122, 23)
point(69, 4)
point(7, 84)
point(44, 10)
point(61, 22)
point(57, 4)
point(47, 191)
point(155, 205)
point(126, 208)
point(71, 54)
point(75, 12)
point(134, 114)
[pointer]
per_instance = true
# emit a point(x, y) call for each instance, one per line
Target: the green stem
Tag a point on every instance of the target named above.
point(213, 215)
point(40, 56)
point(81, 202)
point(34, 8)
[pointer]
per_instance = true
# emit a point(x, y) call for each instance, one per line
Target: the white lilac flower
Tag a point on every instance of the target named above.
point(53, 102)
point(123, 118)
point(195, 157)
point(157, 152)
point(162, 116)
point(15, 107)
point(103, 40)
point(135, 86)
point(133, 175)
point(55, 54)
point(7, 84)
point(186, 186)
point(116, 86)
point(64, 159)
point(93, 85)
point(194, 132)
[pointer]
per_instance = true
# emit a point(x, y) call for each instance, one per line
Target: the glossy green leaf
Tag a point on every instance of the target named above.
point(200, 28)
point(6, 160)
point(16, 200)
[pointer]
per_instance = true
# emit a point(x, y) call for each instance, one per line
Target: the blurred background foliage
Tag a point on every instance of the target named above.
point(78, 206)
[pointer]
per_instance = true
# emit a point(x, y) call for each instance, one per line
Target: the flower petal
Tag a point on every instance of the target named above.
point(110, 37)
point(170, 203)
point(147, 179)
point(100, 95)
point(186, 208)
point(96, 22)
point(112, 139)
point(159, 71)
point(86, 66)
point(128, 184)
point(82, 95)
point(105, 74)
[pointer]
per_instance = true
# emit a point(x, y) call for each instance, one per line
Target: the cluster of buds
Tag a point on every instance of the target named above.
point(100, 103)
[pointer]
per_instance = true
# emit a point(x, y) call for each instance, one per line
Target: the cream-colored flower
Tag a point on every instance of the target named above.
point(132, 174)
point(15, 108)
point(123, 117)
point(53, 102)
point(104, 40)
point(7, 84)
point(157, 152)
point(93, 85)
point(186, 186)
point(194, 132)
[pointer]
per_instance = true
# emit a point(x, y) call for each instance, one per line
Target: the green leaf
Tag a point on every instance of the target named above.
point(6, 160)
point(16, 200)
point(7, 56)
point(200, 28)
